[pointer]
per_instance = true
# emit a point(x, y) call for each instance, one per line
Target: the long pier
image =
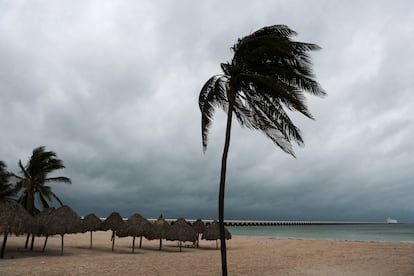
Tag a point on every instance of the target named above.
point(278, 222)
point(304, 222)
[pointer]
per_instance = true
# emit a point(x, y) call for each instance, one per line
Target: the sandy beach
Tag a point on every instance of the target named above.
point(246, 256)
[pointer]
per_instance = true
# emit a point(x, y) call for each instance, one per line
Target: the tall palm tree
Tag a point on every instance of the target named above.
point(33, 179)
point(268, 74)
point(7, 191)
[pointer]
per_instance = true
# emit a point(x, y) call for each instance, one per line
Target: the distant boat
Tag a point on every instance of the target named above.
point(391, 221)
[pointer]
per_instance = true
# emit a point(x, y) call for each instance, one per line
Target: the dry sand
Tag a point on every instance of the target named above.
point(246, 256)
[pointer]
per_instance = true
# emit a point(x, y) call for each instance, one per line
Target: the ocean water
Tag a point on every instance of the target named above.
point(401, 232)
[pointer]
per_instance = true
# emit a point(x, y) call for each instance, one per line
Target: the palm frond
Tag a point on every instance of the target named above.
point(281, 30)
point(7, 191)
point(23, 170)
point(291, 96)
point(213, 94)
point(43, 200)
point(60, 179)
point(57, 199)
point(268, 73)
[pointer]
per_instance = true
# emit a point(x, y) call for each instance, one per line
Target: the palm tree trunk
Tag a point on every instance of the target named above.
point(3, 246)
point(222, 189)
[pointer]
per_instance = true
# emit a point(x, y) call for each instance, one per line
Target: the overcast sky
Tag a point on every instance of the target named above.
point(112, 87)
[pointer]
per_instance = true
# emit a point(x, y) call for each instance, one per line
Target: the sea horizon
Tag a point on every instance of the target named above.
point(381, 232)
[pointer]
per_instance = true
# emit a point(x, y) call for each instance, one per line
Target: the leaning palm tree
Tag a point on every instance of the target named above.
point(268, 74)
point(35, 175)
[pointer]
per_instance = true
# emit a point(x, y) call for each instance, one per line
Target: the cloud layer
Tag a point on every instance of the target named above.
point(112, 87)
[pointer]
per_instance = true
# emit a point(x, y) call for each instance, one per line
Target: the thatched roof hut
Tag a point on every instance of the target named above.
point(159, 229)
point(42, 220)
point(13, 219)
point(199, 227)
point(212, 232)
point(113, 222)
point(91, 223)
point(181, 231)
point(62, 221)
point(136, 226)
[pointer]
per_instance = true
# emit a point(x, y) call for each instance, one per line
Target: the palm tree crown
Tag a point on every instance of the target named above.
point(34, 177)
point(7, 191)
point(267, 75)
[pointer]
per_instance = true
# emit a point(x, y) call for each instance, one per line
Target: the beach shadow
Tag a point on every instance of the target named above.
point(21, 253)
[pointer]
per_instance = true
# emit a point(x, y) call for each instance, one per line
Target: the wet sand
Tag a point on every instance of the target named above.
point(246, 256)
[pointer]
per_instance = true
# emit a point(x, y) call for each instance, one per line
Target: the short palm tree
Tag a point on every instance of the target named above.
point(33, 179)
point(7, 191)
point(268, 74)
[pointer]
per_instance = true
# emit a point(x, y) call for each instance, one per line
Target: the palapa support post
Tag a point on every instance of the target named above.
point(113, 239)
point(140, 241)
point(160, 244)
point(61, 249)
point(3, 247)
point(32, 242)
point(27, 240)
point(133, 244)
point(44, 245)
point(198, 239)
point(91, 241)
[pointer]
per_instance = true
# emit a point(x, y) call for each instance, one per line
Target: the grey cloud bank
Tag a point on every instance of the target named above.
point(113, 87)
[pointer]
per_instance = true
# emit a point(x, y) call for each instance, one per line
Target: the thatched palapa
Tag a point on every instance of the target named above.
point(91, 223)
point(62, 221)
point(13, 219)
point(113, 222)
point(158, 230)
point(212, 232)
point(181, 231)
point(136, 226)
point(42, 220)
point(199, 227)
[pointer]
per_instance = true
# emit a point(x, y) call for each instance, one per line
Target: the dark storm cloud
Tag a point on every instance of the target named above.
point(112, 87)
